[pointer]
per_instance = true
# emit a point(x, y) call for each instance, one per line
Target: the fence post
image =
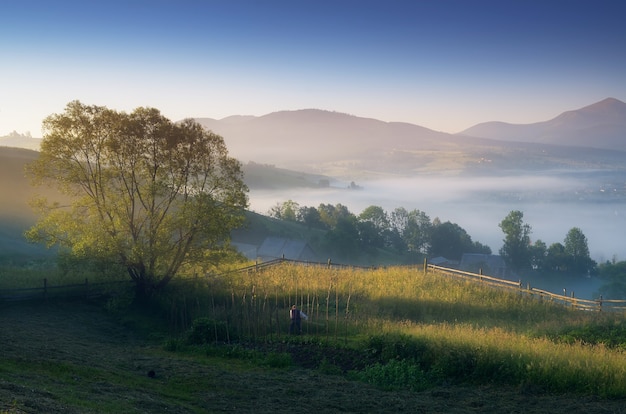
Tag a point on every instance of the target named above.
point(329, 262)
point(425, 265)
point(600, 304)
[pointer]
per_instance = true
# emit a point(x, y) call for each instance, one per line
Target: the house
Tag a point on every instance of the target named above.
point(490, 264)
point(278, 247)
point(443, 262)
point(246, 249)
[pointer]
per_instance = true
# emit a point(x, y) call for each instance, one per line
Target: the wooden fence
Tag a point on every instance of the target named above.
point(581, 304)
point(93, 290)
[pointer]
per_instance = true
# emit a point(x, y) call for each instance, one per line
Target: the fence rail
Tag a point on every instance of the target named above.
point(599, 304)
point(94, 290)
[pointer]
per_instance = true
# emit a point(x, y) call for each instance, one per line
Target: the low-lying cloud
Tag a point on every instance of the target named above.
point(552, 205)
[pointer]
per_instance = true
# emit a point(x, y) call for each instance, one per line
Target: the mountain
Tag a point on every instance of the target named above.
point(290, 138)
point(351, 147)
point(601, 125)
point(346, 146)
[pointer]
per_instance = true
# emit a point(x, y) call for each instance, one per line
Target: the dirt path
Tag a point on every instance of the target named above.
point(75, 352)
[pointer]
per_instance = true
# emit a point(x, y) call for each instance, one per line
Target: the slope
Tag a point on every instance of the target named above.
point(600, 125)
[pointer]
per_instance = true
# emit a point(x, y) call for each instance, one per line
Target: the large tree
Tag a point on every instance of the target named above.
point(516, 248)
point(414, 227)
point(577, 251)
point(149, 193)
point(451, 241)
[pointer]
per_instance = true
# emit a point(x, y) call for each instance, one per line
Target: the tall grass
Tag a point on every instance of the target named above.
point(464, 331)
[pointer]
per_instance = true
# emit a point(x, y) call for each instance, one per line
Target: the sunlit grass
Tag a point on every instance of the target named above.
point(468, 331)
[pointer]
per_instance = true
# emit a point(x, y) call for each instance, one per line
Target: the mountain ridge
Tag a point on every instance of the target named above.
point(599, 125)
point(350, 147)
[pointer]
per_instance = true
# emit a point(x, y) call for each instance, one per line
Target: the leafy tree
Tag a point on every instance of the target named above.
point(330, 215)
point(516, 248)
point(148, 193)
point(377, 216)
point(414, 228)
point(344, 237)
point(556, 258)
point(577, 251)
point(287, 211)
point(450, 241)
point(374, 227)
point(614, 278)
point(310, 216)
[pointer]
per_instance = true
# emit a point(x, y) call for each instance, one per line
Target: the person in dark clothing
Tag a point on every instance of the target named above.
point(295, 326)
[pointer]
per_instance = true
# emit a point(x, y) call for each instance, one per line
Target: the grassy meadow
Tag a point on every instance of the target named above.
point(409, 329)
point(411, 339)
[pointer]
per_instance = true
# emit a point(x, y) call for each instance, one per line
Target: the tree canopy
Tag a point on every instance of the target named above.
point(151, 194)
point(516, 247)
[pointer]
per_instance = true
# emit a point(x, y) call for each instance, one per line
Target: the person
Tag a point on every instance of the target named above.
point(294, 315)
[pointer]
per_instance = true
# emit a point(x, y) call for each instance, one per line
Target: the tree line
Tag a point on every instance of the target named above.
point(405, 231)
point(520, 253)
point(413, 231)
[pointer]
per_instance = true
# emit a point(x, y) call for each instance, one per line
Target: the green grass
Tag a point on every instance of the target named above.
point(396, 330)
point(456, 330)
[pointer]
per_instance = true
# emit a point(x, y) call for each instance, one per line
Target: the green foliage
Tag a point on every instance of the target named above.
point(147, 193)
point(516, 248)
point(610, 333)
point(451, 241)
point(577, 252)
point(614, 277)
point(394, 346)
point(205, 331)
point(394, 375)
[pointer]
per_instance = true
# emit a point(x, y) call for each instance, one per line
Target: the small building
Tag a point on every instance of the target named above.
point(278, 248)
point(246, 249)
point(490, 264)
point(443, 262)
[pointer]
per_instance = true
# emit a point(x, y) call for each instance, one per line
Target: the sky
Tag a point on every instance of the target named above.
point(442, 64)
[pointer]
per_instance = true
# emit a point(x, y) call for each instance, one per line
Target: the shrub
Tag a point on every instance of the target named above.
point(206, 330)
point(394, 375)
point(395, 346)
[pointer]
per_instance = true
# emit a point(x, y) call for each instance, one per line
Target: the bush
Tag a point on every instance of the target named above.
point(395, 346)
point(394, 375)
point(205, 330)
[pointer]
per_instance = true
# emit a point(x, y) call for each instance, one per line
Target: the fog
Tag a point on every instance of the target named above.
point(552, 205)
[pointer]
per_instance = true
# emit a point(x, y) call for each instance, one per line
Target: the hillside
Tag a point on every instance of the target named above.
point(600, 125)
point(16, 215)
point(348, 147)
point(351, 147)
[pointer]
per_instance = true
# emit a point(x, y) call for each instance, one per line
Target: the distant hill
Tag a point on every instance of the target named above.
point(16, 215)
point(601, 125)
point(320, 143)
point(17, 140)
point(332, 143)
point(351, 147)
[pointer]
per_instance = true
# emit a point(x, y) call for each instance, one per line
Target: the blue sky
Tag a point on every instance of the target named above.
point(444, 65)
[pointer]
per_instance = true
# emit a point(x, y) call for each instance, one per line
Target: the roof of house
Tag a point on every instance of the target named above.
point(491, 260)
point(278, 247)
